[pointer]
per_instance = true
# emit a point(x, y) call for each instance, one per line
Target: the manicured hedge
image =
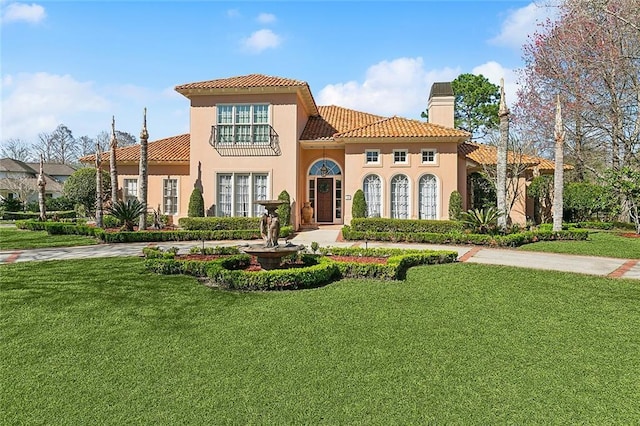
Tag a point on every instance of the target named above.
point(67, 214)
point(219, 223)
point(319, 270)
point(511, 240)
point(54, 228)
point(405, 225)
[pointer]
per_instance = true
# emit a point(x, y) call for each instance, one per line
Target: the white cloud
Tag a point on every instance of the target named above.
point(493, 71)
point(521, 23)
point(261, 40)
point(22, 12)
point(398, 87)
point(34, 103)
point(266, 18)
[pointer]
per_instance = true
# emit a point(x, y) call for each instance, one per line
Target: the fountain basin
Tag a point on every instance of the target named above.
point(270, 257)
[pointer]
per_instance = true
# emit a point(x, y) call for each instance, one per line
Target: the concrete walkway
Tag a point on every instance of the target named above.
point(329, 236)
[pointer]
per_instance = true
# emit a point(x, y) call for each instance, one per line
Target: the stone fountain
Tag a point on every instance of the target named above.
point(270, 253)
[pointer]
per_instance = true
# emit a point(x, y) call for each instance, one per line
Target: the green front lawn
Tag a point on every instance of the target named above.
point(12, 238)
point(600, 243)
point(458, 343)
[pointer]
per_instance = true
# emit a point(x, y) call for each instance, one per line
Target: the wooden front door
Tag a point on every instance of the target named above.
point(324, 200)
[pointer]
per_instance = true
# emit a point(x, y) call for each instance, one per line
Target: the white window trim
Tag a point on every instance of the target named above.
point(372, 163)
point(409, 194)
point(436, 157)
point(125, 192)
point(406, 156)
point(233, 116)
point(382, 191)
point(177, 196)
point(233, 190)
point(438, 194)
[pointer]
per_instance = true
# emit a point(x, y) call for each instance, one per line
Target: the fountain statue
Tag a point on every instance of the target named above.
point(270, 253)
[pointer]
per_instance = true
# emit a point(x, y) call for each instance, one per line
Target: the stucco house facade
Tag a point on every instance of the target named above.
point(253, 136)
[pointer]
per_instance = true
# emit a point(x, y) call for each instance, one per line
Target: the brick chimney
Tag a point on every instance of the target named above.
point(440, 106)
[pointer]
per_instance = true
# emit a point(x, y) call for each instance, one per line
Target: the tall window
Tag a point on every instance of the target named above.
point(259, 192)
point(372, 189)
point(242, 195)
point(225, 189)
point(238, 191)
point(400, 197)
point(130, 189)
point(170, 196)
point(428, 197)
point(243, 124)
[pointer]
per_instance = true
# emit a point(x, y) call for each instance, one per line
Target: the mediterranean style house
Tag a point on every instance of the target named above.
point(253, 136)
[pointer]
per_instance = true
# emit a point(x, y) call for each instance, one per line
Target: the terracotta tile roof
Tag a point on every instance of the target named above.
point(335, 122)
point(171, 150)
point(243, 81)
point(334, 119)
point(398, 127)
point(487, 155)
point(252, 83)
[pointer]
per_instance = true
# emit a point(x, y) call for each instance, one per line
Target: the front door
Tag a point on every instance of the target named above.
point(324, 200)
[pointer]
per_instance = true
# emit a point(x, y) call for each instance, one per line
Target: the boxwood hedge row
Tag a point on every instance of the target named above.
point(319, 270)
point(511, 240)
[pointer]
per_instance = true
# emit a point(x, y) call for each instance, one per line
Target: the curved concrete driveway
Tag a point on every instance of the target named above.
point(601, 266)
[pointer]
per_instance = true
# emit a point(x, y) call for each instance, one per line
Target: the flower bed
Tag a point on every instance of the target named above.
point(237, 272)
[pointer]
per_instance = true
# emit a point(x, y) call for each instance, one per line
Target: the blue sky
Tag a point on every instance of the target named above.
point(79, 63)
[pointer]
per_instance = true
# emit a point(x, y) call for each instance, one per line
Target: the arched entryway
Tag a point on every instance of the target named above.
point(325, 191)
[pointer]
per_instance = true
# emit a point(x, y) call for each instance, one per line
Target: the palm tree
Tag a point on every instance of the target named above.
point(127, 212)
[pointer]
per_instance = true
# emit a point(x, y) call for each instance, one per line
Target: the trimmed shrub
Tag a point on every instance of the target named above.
point(284, 210)
point(11, 205)
point(196, 204)
point(455, 205)
point(359, 206)
point(512, 240)
point(219, 223)
point(71, 214)
point(318, 270)
point(376, 224)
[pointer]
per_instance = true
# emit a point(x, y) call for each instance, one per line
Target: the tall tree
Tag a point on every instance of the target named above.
point(558, 174)
point(44, 146)
point(16, 148)
point(501, 162)
point(476, 104)
point(65, 145)
point(42, 183)
point(112, 161)
point(98, 188)
point(103, 139)
point(591, 57)
point(86, 145)
point(125, 139)
point(143, 178)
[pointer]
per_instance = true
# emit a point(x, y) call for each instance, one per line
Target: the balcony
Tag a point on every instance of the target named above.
point(245, 141)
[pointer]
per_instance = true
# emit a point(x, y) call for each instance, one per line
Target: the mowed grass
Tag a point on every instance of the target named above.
point(459, 343)
point(12, 238)
point(600, 243)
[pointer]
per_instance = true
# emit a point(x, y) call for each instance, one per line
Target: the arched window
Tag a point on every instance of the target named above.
point(372, 188)
point(428, 197)
point(400, 197)
point(332, 169)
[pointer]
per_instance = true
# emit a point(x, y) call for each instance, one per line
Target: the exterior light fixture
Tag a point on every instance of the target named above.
point(323, 170)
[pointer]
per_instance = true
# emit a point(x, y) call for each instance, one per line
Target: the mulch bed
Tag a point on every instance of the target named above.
point(630, 235)
point(255, 266)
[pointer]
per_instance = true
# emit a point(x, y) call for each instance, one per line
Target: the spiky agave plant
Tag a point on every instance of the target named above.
point(127, 212)
point(482, 221)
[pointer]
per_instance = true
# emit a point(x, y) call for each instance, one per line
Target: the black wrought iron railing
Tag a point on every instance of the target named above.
point(245, 140)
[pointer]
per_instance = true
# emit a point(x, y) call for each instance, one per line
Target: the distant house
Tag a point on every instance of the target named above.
point(253, 136)
point(19, 179)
